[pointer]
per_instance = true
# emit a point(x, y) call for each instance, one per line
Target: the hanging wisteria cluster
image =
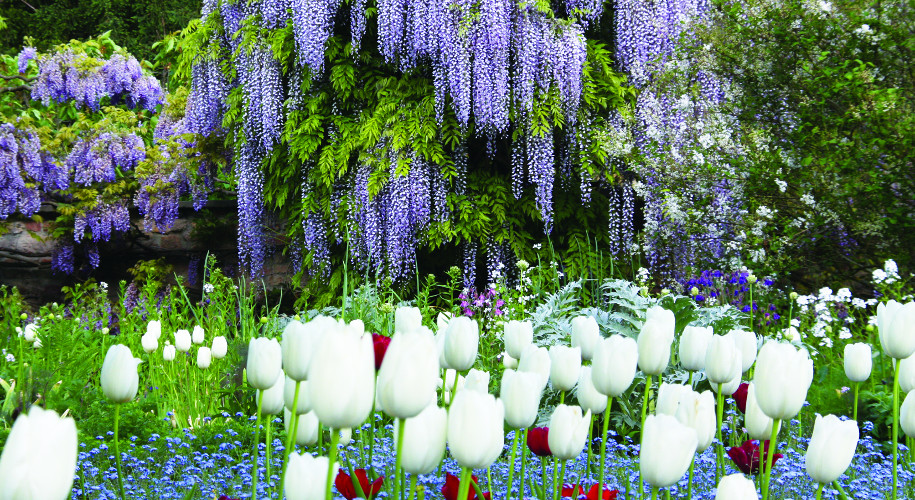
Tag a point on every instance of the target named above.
point(95, 159)
point(69, 75)
point(19, 153)
point(102, 220)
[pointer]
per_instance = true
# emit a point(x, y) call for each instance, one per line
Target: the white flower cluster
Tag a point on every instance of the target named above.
point(888, 275)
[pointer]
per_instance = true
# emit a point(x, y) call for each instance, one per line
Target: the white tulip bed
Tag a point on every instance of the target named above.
point(446, 417)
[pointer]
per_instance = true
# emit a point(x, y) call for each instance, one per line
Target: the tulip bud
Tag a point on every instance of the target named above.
point(746, 343)
point(565, 363)
point(409, 373)
point(752, 279)
point(462, 337)
point(265, 360)
point(520, 394)
point(149, 342)
point(759, 425)
point(586, 335)
point(792, 296)
point(509, 362)
point(693, 346)
point(783, 376)
point(39, 458)
point(304, 404)
point(120, 380)
point(475, 428)
point(306, 427)
point(168, 353)
point(29, 332)
point(106, 330)
point(203, 357)
point(858, 361)
point(477, 380)
point(306, 476)
point(736, 487)
point(667, 450)
point(424, 440)
point(907, 415)
point(697, 411)
point(613, 367)
point(831, 448)
point(197, 335)
point(654, 342)
point(568, 431)
point(407, 319)
point(694, 291)
point(23, 316)
point(906, 369)
point(517, 335)
point(722, 360)
point(342, 393)
point(154, 328)
point(272, 403)
point(298, 343)
point(536, 360)
point(895, 324)
point(588, 397)
point(220, 347)
point(669, 398)
point(183, 340)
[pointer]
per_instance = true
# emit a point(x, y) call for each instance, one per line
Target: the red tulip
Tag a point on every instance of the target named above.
point(746, 457)
point(537, 441)
point(740, 396)
point(344, 484)
point(577, 491)
point(452, 483)
point(380, 343)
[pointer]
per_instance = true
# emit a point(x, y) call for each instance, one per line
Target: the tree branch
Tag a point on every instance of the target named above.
point(26, 79)
point(17, 88)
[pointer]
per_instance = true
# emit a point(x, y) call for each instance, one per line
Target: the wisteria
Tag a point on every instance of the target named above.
point(206, 103)
point(69, 75)
point(22, 168)
point(27, 54)
point(101, 220)
point(95, 159)
point(250, 179)
point(542, 172)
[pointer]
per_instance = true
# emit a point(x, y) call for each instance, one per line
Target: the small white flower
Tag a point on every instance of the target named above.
point(844, 294)
point(10, 358)
point(208, 288)
point(807, 199)
point(845, 333)
point(538, 246)
point(879, 276)
point(825, 6)
point(782, 185)
point(103, 285)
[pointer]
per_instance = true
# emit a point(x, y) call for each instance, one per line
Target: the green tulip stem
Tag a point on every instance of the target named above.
point(511, 464)
point(820, 491)
point(562, 397)
point(842, 494)
point(523, 464)
point(603, 448)
point(320, 438)
point(751, 307)
point(642, 432)
point(689, 483)
point(371, 434)
point(444, 386)
point(412, 486)
point(542, 478)
point(360, 493)
point(767, 470)
point(587, 472)
point(291, 434)
point(117, 450)
point(719, 450)
point(257, 438)
point(854, 414)
point(654, 493)
point(398, 492)
point(331, 458)
point(895, 441)
point(269, 452)
point(562, 478)
point(690, 381)
point(555, 470)
point(463, 486)
point(453, 389)
point(667, 493)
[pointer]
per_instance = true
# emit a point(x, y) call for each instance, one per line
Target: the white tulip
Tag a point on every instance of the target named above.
point(588, 397)
point(306, 476)
point(831, 448)
point(407, 319)
point(746, 343)
point(654, 342)
point(298, 344)
point(723, 360)
point(120, 380)
point(272, 402)
point(906, 369)
point(669, 398)
point(304, 404)
point(424, 440)
point(183, 340)
point(520, 393)
point(306, 427)
point(154, 328)
point(783, 375)
point(197, 335)
point(907, 414)
point(736, 487)
point(759, 425)
point(858, 361)
point(536, 360)
point(667, 450)
point(516, 336)
point(220, 347)
point(697, 411)
point(168, 353)
point(508, 362)
point(613, 366)
point(341, 377)
point(693, 346)
point(896, 327)
point(39, 457)
point(462, 338)
point(475, 429)
point(568, 431)
point(149, 342)
point(204, 357)
point(477, 380)
point(565, 364)
point(409, 372)
point(586, 335)
point(265, 362)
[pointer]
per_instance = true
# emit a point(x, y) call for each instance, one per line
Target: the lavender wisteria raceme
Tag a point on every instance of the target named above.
point(25, 170)
point(95, 159)
point(26, 55)
point(101, 220)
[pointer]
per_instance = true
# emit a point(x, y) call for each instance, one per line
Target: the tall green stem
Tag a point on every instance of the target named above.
point(587, 473)
point(117, 450)
point(291, 433)
point(542, 477)
point(689, 484)
point(511, 464)
point(412, 486)
point(562, 479)
point(523, 464)
point(464, 485)
point(603, 448)
point(719, 450)
point(398, 494)
point(642, 431)
point(257, 439)
point(331, 458)
point(372, 434)
point(269, 452)
point(855, 407)
point(767, 471)
point(654, 493)
point(895, 442)
point(555, 470)
point(820, 491)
